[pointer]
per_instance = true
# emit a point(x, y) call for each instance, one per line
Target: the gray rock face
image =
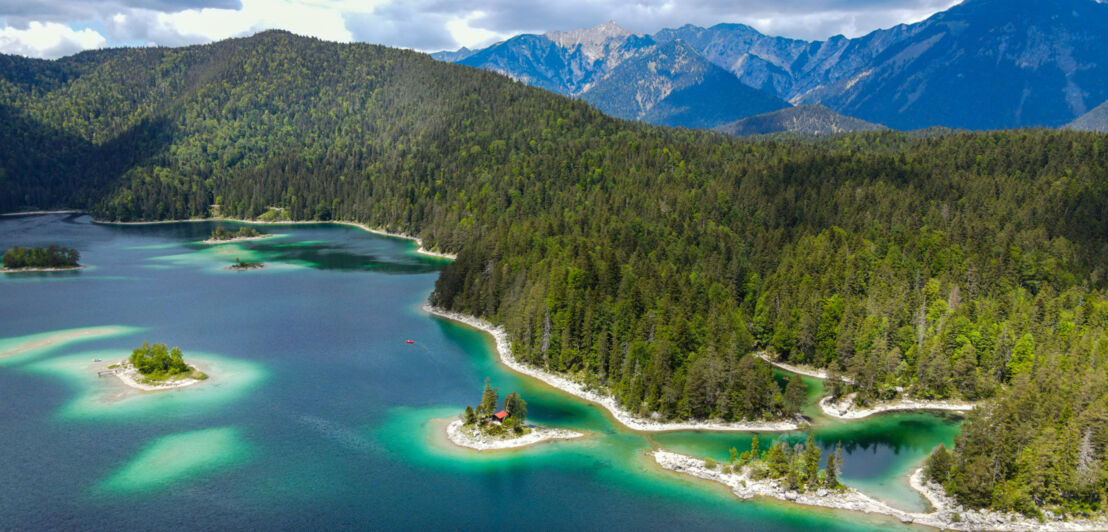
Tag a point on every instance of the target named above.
point(628, 76)
point(1095, 120)
point(982, 64)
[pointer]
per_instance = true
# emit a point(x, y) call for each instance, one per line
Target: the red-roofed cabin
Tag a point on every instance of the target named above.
point(501, 415)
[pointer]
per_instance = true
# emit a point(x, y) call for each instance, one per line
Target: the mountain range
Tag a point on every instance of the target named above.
point(649, 262)
point(982, 64)
point(626, 75)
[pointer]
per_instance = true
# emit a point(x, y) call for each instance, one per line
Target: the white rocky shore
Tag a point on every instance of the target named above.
point(947, 513)
point(577, 389)
point(460, 435)
point(31, 270)
point(130, 376)
point(846, 409)
point(422, 250)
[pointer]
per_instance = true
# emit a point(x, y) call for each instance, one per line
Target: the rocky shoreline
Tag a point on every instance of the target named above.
point(459, 435)
point(579, 390)
point(947, 513)
point(846, 409)
point(31, 270)
point(130, 376)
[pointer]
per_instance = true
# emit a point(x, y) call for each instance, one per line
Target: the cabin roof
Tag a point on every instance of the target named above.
point(501, 415)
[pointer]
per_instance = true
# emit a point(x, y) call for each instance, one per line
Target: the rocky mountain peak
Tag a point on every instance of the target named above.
point(594, 41)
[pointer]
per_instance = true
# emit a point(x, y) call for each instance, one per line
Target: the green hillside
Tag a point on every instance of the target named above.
point(647, 261)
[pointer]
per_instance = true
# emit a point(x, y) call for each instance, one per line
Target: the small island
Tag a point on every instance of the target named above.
point(52, 258)
point(223, 235)
point(241, 265)
point(154, 367)
point(488, 427)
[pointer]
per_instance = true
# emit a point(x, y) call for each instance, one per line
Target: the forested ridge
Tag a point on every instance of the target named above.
point(652, 262)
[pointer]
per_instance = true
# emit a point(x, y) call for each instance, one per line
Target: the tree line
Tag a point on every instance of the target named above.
point(647, 262)
point(53, 256)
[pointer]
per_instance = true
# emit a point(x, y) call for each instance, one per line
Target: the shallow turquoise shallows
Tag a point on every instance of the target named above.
point(318, 413)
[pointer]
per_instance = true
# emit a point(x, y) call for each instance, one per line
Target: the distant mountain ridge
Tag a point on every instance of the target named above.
point(626, 75)
point(806, 119)
point(983, 64)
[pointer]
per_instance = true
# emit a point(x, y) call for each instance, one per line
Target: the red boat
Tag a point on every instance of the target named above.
point(410, 341)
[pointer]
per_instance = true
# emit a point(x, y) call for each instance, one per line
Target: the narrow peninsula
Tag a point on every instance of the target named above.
point(626, 418)
point(793, 475)
point(488, 428)
point(156, 368)
point(49, 259)
point(845, 404)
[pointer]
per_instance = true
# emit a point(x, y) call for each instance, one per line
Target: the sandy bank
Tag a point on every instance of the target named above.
point(422, 250)
point(30, 270)
point(463, 437)
point(579, 390)
point(131, 377)
point(947, 513)
point(846, 409)
point(55, 339)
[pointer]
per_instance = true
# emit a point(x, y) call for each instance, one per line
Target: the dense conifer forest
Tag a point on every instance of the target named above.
point(651, 262)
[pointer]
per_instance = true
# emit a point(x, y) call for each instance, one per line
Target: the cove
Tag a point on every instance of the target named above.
point(332, 424)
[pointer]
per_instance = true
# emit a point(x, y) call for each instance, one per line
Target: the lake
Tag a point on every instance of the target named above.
point(319, 414)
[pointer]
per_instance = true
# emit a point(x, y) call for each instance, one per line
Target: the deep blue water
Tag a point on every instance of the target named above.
point(322, 417)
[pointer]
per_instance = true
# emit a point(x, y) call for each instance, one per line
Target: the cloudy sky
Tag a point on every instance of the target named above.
point(53, 28)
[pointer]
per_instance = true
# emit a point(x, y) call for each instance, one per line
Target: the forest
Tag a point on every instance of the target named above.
point(53, 256)
point(159, 363)
point(648, 262)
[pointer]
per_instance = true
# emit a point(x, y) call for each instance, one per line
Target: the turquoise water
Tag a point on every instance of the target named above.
point(318, 414)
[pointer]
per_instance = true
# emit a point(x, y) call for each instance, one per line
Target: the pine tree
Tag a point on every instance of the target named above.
point(795, 395)
point(834, 466)
point(777, 463)
point(812, 455)
point(937, 467)
point(489, 400)
point(516, 407)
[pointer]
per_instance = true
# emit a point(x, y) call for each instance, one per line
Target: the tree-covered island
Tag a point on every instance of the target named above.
point(53, 257)
point(509, 421)
point(222, 234)
point(490, 426)
point(241, 265)
point(795, 466)
point(156, 365)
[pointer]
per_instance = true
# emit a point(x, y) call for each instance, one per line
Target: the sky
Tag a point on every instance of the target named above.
point(55, 28)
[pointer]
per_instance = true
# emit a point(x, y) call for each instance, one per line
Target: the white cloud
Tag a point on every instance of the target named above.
point(48, 40)
point(464, 34)
point(315, 18)
point(42, 28)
